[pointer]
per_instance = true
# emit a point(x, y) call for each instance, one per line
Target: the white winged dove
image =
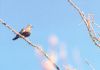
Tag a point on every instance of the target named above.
point(25, 32)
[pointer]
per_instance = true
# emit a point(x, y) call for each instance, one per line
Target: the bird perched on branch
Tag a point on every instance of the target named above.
point(25, 32)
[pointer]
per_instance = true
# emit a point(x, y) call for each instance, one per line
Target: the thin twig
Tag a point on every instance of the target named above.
point(88, 24)
point(29, 42)
point(90, 65)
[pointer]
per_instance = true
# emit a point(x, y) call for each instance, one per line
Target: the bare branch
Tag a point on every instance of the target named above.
point(88, 24)
point(29, 42)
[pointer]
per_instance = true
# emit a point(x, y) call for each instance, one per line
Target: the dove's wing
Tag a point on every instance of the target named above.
point(22, 30)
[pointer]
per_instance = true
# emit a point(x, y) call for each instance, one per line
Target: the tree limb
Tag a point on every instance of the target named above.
point(29, 42)
point(88, 24)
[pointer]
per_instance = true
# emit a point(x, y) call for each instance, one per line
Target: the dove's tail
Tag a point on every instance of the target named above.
point(15, 37)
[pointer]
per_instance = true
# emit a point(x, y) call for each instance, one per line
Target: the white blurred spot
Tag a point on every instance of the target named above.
point(76, 55)
point(77, 58)
point(47, 65)
point(53, 40)
point(63, 53)
point(53, 57)
point(69, 67)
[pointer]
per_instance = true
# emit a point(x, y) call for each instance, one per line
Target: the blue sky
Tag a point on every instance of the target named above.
point(48, 17)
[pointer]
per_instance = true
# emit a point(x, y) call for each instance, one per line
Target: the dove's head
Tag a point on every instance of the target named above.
point(28, 27)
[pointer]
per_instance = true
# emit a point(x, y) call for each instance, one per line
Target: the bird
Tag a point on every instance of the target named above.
point(24, 31)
